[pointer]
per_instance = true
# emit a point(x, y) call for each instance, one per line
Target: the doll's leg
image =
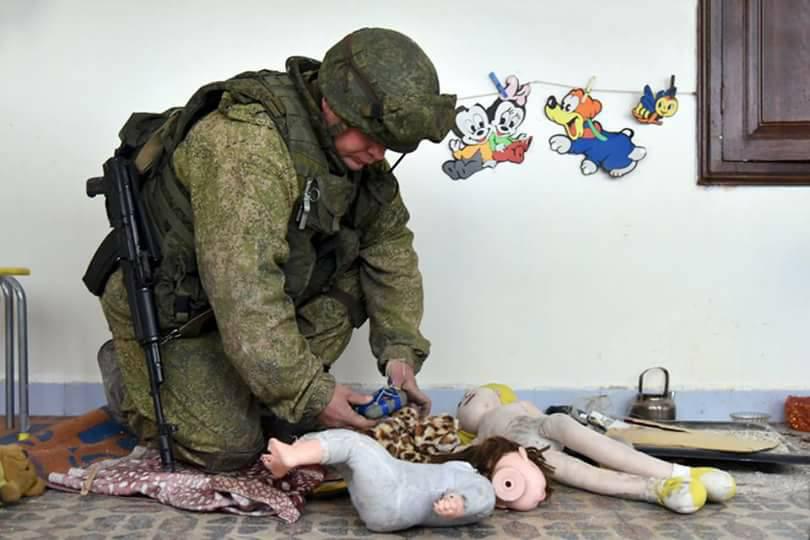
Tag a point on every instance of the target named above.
point(354, 450)
point(372, 475)
point(621, 457)
point(679, 495)
point(340, 447)
point(375, 478)
point(602, 449)
point(283, 457)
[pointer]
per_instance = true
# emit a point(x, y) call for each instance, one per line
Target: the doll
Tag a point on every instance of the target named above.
point(391, 495)
point(494, 410)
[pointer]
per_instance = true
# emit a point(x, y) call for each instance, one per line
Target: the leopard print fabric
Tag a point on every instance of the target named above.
point(408, 437)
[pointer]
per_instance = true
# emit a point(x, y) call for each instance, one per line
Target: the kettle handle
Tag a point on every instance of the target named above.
point(666, 381)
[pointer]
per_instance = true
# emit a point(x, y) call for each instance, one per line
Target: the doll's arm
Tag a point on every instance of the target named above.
point(467, 491)
point(451, 505)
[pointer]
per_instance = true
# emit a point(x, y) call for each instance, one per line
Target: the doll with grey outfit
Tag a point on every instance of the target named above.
point(390, 494)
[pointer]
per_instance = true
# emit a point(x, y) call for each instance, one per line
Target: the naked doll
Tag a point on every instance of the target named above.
point(492, 410)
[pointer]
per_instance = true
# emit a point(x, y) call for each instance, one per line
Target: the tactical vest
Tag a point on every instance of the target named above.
point(324, 229)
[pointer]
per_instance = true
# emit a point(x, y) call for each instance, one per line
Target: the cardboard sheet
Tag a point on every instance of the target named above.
point(727, 442)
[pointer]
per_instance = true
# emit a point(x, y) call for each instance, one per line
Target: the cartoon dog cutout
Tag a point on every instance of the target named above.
point(489, 136)
point(614, 152)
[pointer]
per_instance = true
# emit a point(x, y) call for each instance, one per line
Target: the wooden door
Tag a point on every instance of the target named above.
point(754, 92)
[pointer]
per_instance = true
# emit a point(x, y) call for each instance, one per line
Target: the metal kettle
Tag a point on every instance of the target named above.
point(653, 406)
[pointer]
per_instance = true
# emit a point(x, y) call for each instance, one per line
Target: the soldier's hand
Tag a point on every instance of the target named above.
point(401, 375)
point(340, 414)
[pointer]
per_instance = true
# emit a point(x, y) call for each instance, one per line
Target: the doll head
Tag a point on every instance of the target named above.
point(476, 403)
point(519, 482)
point(516, 473)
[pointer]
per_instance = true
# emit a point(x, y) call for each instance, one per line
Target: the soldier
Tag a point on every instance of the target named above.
point(282, 227)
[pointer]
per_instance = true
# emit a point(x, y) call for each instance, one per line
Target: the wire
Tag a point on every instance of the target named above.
point(563, 85)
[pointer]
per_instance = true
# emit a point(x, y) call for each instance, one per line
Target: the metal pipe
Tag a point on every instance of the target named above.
point(22, 355)
point(8, 300)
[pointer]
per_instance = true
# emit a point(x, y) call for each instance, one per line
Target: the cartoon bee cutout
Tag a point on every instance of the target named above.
point(652, 108)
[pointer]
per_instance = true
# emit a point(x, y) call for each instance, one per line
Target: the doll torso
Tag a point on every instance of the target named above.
point(520, 422)
point(497, 421)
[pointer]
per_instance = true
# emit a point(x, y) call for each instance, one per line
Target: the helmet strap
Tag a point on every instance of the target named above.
point(397, 162)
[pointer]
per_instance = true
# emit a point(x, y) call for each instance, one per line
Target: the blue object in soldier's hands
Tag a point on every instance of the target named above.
point(384, 402)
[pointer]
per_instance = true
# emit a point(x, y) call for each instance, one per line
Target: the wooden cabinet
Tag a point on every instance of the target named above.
point(754, 92)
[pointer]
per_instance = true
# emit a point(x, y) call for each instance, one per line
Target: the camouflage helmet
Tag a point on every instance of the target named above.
point(380, 82)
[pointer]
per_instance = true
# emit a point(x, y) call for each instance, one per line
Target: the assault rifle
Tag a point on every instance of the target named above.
point(138, 253)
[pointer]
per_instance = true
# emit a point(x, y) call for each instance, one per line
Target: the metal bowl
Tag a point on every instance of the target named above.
point(750, 417)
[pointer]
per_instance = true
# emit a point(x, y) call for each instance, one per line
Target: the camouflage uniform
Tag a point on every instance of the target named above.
point(271, 348)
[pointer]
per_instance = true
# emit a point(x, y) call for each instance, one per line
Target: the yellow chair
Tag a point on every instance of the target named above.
point(14, 296)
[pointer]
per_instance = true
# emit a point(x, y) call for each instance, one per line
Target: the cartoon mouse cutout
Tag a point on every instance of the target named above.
point(614, 152)
point(489, 136)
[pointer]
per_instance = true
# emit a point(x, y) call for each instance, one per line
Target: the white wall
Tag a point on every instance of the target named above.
point(534, 275)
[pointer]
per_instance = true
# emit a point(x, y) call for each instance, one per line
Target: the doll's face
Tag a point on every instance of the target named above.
point(474, 405)
point(519, 483)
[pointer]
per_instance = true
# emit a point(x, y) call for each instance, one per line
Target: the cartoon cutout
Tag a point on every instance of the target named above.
point(471, 152)
point(614, 152)
point(489, 136)
point(652, 108)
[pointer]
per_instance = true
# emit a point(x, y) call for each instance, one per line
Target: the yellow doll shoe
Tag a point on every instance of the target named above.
point(720, 485)
point(681, 495)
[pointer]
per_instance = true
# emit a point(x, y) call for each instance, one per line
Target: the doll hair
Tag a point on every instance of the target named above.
point(485, 456)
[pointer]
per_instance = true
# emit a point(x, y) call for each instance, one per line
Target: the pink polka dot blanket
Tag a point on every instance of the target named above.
point(249, 491)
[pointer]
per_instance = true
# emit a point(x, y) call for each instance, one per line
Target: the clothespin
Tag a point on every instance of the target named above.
point(590, 85)
point(498, 85)
point(672, 88)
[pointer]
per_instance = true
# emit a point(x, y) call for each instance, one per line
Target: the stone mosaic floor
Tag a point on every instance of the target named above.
point(772, 504)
